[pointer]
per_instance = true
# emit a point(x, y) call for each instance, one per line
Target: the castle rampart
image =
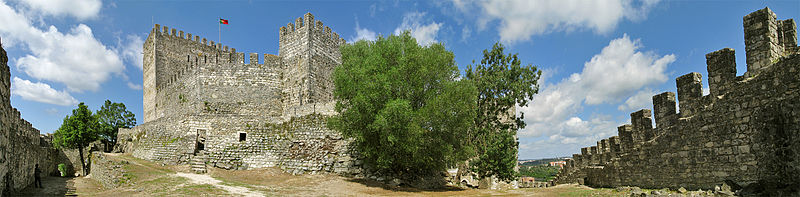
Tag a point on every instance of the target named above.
point(21, 145)
point(740, 133)
point(205, 100)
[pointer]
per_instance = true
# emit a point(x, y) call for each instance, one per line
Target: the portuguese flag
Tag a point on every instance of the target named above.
point(223, 21)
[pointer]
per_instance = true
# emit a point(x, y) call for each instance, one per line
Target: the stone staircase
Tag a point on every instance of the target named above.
point(198, 163)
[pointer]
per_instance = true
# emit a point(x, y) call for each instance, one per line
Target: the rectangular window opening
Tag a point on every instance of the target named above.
point(242, 137)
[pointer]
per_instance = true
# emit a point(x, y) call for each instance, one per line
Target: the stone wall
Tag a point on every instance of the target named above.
point(200, 97)
point(299, 145)
point(745, 131)
point(310, 51)
point(108, 171)
point(21, 145)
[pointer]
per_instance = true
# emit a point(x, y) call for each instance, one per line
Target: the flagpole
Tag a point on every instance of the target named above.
point(219, 27)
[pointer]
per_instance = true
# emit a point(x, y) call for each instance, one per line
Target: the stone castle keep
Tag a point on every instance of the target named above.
point(746, 131)
point(203, 104)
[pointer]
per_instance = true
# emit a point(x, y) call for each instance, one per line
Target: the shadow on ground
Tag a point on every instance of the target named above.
point(402, 187)
point(52, 186)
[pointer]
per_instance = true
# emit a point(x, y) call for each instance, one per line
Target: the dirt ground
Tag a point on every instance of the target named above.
point(152, 179)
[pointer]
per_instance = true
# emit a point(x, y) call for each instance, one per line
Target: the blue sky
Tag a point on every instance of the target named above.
point(602, 60)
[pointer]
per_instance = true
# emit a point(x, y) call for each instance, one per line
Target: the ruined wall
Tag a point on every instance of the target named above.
point(110, 172)
point(165, 139)
point(302, 144)
point(744, 131)
point(21, 145)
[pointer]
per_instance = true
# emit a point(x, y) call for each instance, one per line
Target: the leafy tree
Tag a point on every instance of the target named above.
point(77, 131)
point(111, 117)
point(502, 83)
point(540, 172)
point(402, 105)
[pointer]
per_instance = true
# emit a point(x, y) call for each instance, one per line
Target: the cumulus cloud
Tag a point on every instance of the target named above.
point(363, 34)
point(424, 33)
point(521, 19)
point(41, 92)
point(76, 59)
point(80, 9)
point(618, 72)
point(640, 100)
point(621, 69)
point(577, 133)
point(132, 51)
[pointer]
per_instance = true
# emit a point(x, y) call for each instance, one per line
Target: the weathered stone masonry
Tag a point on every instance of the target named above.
point(746, 130)
point(203, 99)
point(21, 145)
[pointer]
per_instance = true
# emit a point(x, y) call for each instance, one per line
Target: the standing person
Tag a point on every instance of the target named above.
point(37, 177)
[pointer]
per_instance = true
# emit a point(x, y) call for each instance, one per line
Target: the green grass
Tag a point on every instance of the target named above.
point(541, 173)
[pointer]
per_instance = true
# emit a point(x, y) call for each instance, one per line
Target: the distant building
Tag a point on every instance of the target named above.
point(560, 164)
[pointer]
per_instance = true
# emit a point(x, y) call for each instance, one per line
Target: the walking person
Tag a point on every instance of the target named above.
point(37, 177)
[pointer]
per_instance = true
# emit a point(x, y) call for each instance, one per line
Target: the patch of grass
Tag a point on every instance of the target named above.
point(591, 192)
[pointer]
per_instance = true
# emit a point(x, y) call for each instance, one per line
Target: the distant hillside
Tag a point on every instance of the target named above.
point(536, 162)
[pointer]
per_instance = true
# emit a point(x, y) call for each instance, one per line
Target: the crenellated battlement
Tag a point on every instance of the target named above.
point(178, 65)
point(725, 135)
point(166, 31)
point(305, 24)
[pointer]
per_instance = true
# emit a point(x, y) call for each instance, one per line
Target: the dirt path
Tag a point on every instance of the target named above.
point(205, 179)
point(52, 186)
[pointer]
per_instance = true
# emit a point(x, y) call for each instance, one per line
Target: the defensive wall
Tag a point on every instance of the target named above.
point(205, 100)
point(745, 131)
point(21, 145)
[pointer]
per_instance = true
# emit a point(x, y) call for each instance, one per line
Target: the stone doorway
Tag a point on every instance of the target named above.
point(200, 142)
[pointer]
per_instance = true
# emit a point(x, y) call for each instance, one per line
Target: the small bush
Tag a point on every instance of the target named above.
point(62, 168)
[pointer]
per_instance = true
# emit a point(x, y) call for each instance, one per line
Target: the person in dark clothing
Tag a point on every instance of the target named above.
point(37, 177)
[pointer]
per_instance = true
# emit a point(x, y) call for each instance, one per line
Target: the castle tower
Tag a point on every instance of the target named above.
point(149, 76)
point(309, 51)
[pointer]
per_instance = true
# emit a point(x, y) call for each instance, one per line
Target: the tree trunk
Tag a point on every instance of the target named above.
point(83, 164)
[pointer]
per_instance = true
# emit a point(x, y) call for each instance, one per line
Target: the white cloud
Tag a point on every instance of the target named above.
point(134, 86)
point(132, 51)
point(41, 92)
point(363, 34)
point(576, 133)
point(618, 72)
point(76, 59)
point(521, 19)
point(466, 32)
point(620, 69)
point(425, 34)
point(640, 100)
point(80, 9)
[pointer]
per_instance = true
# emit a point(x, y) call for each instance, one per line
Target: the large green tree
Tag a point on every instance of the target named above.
point(502, 82)
point(77, 131)
point(403, 106)
point(111, 117)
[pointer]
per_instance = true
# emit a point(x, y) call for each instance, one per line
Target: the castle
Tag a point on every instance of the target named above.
point(204, 105)
point(745, 132)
